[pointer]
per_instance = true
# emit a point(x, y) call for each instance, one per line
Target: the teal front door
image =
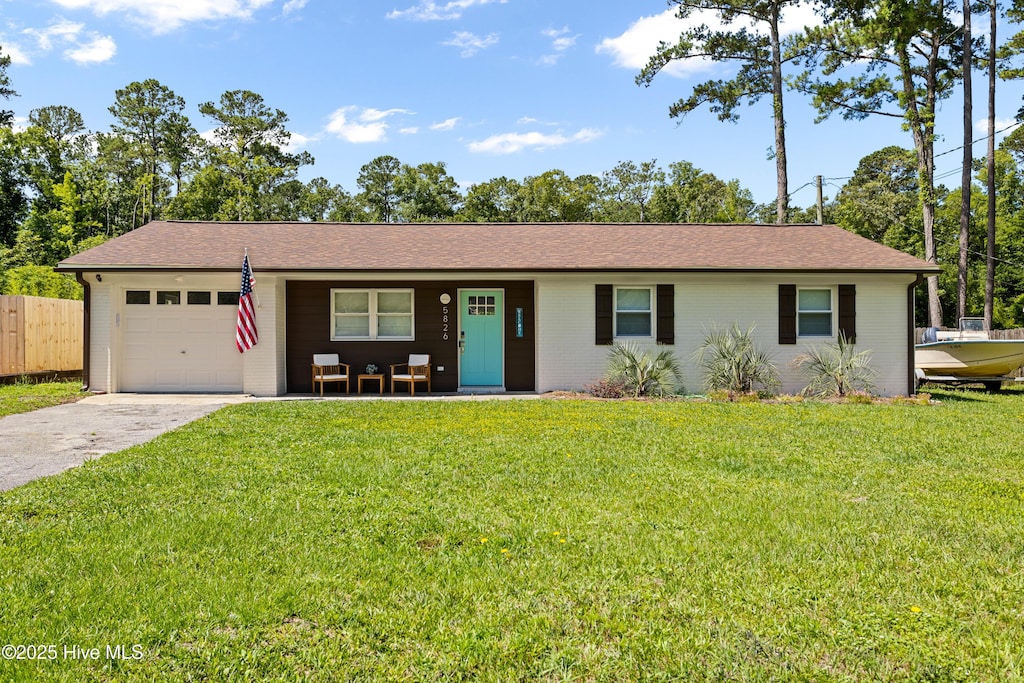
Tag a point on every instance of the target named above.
point(481, 333)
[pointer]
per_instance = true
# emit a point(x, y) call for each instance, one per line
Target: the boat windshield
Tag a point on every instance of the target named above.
point(972, 324)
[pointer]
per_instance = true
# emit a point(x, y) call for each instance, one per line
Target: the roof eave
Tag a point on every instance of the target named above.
point(110, 268)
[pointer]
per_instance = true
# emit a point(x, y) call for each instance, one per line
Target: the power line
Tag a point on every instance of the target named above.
point(950, 151)
point(983, 255)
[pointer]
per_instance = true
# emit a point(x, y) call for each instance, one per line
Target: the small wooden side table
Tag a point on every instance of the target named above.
point(379, 378)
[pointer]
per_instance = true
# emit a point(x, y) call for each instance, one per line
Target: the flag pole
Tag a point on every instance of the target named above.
point(258, 304)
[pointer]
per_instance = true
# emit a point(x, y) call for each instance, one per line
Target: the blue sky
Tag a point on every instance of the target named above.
point(490, 87)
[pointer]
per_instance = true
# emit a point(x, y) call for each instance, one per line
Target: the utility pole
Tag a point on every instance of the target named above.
point(990, 166)
point(821, 202)
point(965, 171)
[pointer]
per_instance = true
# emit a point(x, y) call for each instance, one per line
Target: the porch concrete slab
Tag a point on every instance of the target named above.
point(507, 396)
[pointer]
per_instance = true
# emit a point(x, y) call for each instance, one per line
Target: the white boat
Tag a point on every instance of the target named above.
point(967, 355)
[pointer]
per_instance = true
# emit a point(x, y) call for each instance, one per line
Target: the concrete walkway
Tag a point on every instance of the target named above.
point(51, 440)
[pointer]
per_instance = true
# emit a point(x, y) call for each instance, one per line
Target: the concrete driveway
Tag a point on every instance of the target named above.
point(51, 440)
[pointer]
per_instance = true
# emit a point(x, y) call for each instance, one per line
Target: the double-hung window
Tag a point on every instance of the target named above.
point(367, 314)
point(814, 312)
point(634, 311)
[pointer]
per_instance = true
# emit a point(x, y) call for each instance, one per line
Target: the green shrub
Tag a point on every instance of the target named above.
point(733, 362)
point(837, 369)
point(641, 374)
point(606, 388)
point(41, 281)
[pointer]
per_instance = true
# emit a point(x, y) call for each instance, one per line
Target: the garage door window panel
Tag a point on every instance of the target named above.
point(168, 298)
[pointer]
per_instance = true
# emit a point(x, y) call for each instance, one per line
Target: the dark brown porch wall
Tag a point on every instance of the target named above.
point(308, 316)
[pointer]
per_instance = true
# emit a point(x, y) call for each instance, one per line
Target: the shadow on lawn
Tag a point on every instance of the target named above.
point(969, 393)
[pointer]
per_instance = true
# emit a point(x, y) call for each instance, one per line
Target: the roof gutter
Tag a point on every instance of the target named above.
point(87, 305)
point(911, 336)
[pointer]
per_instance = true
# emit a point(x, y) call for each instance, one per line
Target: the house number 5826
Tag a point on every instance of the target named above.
point(444, 323)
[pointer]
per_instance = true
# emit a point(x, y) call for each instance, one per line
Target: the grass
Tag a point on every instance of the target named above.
point(533, 540)
point(22, 397)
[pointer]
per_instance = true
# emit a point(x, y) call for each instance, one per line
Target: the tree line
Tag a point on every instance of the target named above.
point(891, 58)
point(64, 188)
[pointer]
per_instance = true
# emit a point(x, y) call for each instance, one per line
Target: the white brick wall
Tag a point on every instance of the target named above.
point(108, 310)
point(264, 364)
point(101, 338)
point(567, 357)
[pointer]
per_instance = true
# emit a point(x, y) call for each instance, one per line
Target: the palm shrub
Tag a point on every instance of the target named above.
point(642, 374)
point(733, 362)
point(837, 369)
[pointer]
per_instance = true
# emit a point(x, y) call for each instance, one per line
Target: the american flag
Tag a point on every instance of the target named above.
point(245, 332)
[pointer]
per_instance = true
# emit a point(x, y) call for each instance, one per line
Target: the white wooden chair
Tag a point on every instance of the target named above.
point(327, 367)
point(417, 370)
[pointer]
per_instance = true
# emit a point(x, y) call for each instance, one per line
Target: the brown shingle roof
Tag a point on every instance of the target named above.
point(492, 247)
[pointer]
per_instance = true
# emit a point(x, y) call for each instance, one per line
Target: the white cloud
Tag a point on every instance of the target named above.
point(81, 46)
point(372, 115)
point(530, 120)
point(560, 38)
point(161, 16)
point(99, 49)
point(16, 54)
point(63, 31)
point(510, 143)
point(428, 10)
point(471, 43)
point(637, 44)
point(293, 6)
point(1004, 125)
point(448, 124)
point(298, 141)
point(369, 125)
point(411, 130)
point(560, 42)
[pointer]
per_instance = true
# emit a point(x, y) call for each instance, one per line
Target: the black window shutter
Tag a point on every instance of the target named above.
point(787, 314)
point(666, 314)
point(848, 312)
point(603, 304)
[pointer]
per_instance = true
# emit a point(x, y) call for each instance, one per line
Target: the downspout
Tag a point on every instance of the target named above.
point(911, 336)
point(86, 301)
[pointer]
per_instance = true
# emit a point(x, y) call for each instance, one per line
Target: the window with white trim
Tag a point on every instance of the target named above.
point(368, 314)
point(634, 311)
point(814, 313)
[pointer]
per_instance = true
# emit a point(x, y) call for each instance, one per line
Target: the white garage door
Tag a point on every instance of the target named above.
point(180, 341)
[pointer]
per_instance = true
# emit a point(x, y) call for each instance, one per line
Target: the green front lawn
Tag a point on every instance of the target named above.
point(22, 397)
point(532, 540)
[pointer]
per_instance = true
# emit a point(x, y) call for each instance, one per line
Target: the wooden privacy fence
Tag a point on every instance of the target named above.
point(39, 335)
point(1016, 333)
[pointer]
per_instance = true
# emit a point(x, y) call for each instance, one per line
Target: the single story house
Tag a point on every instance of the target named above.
point(499, 307)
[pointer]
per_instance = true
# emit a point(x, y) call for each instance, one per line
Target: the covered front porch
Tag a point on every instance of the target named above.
point(478, 333)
